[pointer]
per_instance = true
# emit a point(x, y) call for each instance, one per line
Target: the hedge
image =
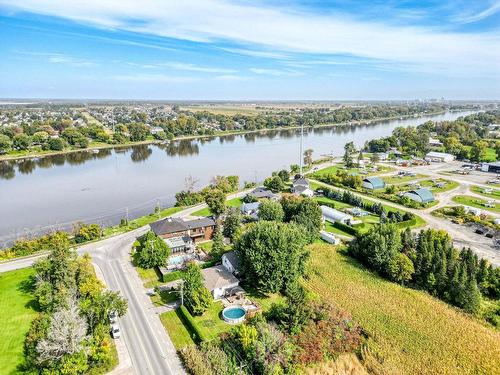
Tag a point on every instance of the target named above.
point(407, 223)
point(345, 228)
point(191, 325)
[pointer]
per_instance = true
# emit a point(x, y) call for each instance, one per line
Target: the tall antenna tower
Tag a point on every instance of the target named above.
point(301, 155)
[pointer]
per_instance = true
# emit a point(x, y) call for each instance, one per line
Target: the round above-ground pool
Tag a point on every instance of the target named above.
point(233, 314)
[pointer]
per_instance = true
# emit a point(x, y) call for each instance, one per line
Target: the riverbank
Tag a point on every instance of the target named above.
point(19, 155)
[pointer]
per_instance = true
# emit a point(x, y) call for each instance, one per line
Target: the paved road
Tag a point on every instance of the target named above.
point(148, 344)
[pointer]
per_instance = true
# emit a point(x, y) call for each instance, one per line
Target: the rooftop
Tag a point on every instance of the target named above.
point(218, 277)
point(173, 225)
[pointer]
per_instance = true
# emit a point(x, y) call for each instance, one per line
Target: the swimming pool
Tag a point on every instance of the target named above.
point(177, 259)
point(233, 314)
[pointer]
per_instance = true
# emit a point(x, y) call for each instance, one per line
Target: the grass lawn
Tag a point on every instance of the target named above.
point(16, 313)
point(164, 297)
point(236, 202)
point(176, 330)
point(334, 168)
point(449, 185)
point(475, 202)
point(491, 154)
point(495, 194)
point(141, 221)
point(206, 246)
point(410, 331)
point(398, 179)
point(330, 228)
point(211, 323)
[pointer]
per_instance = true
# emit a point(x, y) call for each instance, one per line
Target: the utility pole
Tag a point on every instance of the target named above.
point(158, 205)
point(301, 156)
point(126, 214)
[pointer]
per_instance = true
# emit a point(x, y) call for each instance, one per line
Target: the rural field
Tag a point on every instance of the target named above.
point(16, 313)
point(409, 331)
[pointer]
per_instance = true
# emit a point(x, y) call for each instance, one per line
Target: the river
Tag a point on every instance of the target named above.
point(54, 192)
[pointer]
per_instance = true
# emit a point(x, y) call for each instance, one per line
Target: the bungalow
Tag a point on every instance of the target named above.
point(301, 187)
point(200, 229)
point(420, 195)
point(231, 262)
point(332, 215)
point(219, 281)
point(433, 142)
point(263, 193)
point(472, 210)
point(373, 183)
point(250, 209)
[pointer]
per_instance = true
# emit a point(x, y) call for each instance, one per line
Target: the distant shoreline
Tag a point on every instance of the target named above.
point(217, 134)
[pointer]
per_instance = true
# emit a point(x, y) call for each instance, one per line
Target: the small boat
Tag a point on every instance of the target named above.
point(95, 151)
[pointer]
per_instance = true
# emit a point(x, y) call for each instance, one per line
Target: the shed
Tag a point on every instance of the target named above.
point(373, 183)
point(439, 156)
point(332, 215)
point(420, 195)
point(329, 237)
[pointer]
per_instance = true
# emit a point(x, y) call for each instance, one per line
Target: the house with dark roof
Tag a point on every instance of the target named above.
point(420, 195)
point(200, 229)
point(231, 262)
point(263, 193)
point(301, 187)
point(373, 183)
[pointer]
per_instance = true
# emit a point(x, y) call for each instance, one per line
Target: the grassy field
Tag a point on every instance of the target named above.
point(491, 154)
point(16, 313)
point(399, 179)
point(475, 202)
point(495, 194)
point(176, 330)
point(449, 185)
point(334, 168)
point(139, 222)
point(235, 202)
point(228, 110)
point(410, 331)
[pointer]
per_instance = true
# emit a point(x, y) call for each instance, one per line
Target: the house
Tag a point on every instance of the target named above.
point(329, 237)
point(300, 186)
point(332, 215)
point(180, 244)
point(200, 229)
point(382, 156)
point(303, 190)
point(231, 262)
point(420, 195)
point(250, 209)
point(263, 193)
point(373, 183)
point(433, 142)
point(439, 157)
point(472, 211)
point(219, 281)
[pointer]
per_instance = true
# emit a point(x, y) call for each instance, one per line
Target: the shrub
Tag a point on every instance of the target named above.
point(85, 233)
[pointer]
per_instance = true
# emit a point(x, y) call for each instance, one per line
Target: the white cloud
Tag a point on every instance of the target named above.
point(154, 78)
point(276, 72)
point(230, 77)
point(59, 58)
point(490, 11)
point(285, 31)
point(195, 68)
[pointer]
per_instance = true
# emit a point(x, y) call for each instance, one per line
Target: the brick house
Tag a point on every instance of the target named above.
point(201, 229)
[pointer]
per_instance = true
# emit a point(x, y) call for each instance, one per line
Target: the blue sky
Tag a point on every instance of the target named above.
point(250, 50)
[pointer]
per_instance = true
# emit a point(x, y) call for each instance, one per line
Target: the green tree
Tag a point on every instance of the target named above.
point(272, 254)
point(284, 175)
point(274, 183)
point(308, 159)
point(5, 144)
point(309, 215)
point(55, 144)
point(218, 247)
point(232, 223)
point(216, 201)
point(400, 268)
point(40, 137)
point(271, 210)
point(87, 232)
point(152, 251)
point(349, 149)
point(138, 131)
point(295, 168)
point(478, 151)
point(21, 142)
point(196, 297)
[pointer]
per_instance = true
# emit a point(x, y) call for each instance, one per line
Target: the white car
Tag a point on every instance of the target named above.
point(115, 331)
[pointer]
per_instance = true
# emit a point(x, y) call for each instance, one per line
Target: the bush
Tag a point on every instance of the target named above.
point(345, 228)
point(85, 233)
point(191, 325)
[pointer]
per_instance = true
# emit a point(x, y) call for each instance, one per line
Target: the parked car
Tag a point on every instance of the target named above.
point(115, 331)
point(113, 317)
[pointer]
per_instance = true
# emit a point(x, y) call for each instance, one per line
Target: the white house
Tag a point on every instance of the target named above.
point(250, 209)
point(303, 190)
point(472, 210)
point(231, 262)
point(220, 282)
point(329, 237)
point(439, 157)
point(332, 215)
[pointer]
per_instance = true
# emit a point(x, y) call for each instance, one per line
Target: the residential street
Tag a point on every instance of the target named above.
point(150, 349)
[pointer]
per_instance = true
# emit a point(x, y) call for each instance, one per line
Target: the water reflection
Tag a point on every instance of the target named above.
point(140, 153)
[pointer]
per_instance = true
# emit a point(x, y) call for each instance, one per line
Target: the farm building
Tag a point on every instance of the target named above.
point(329, 237)
point(439, 156)
point(373, 183)
point(332, 215)
point(491, 167)
point(420, 195)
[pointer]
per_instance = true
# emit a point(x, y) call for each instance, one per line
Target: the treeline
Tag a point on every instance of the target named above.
point(81, 233)
point(463, 137)
point(70, 335)
point(189, 197)
point(430, 262)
